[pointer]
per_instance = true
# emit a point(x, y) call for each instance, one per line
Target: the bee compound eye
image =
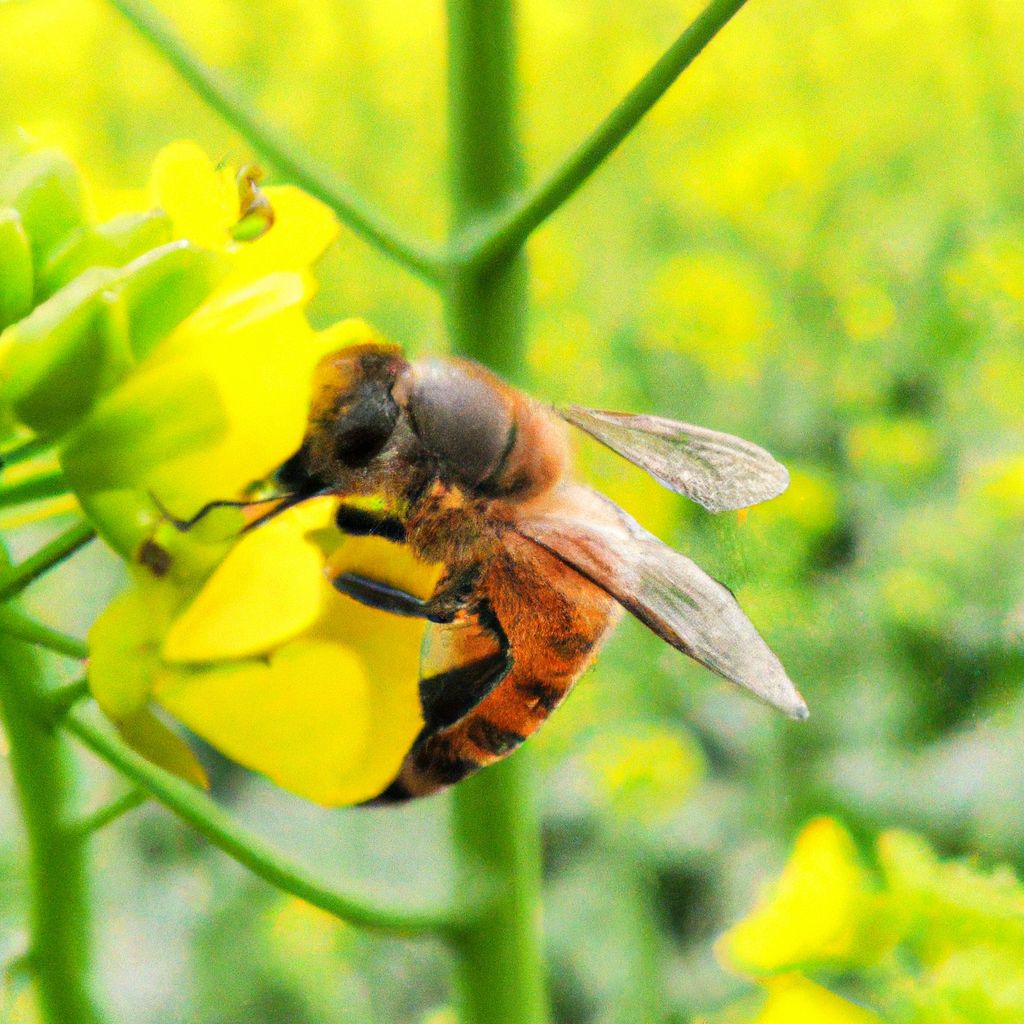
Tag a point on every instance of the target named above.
point(364, 426)
point(461, 418)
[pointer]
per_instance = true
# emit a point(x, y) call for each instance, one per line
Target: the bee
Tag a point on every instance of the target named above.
point(475, 475)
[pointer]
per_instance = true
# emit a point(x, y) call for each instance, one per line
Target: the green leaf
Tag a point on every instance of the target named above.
point(112, 244)
point(46, 190)
point(16, 279)
point(147, 734)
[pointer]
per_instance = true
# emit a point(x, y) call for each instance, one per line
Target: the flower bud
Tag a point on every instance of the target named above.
point(46, 190)
point(16, 279)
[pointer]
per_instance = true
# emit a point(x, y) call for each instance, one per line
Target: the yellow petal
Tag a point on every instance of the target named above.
point(145, 733)
point(266, 591)
point(385, 562)
point(259, 354)
point(303, 228)
point(821, 910)
point(201, 200)
point(796, 1000)
point(302, 718)
point(123, 647)
point(389, 646)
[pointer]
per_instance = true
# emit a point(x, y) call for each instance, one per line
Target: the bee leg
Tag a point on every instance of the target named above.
point(375, 594)
point(360, 522)
point(443, 606)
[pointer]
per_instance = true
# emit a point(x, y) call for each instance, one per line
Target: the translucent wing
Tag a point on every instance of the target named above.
point(665, 590)
point(716, 470)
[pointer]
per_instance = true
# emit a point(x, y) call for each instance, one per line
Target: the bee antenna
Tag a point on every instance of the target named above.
point(185, 525)
point(287, 501)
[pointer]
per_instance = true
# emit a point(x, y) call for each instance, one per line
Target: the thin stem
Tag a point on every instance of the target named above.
point(16, 624)
point(485, 311)
point(280, 150)
point(193, 806)
point(508, 232)
point(43, 780)
point(60, 701)
point(15, 579)
point(500, 962)
point(36, 488)
point(109, 813)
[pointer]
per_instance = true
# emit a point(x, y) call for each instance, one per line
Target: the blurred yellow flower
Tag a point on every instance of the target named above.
point(822, 911)
point(793, 999)
point(644, 773)
point(894, 450)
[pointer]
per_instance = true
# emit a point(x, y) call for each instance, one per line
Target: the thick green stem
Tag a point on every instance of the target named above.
point(500, 963)
point(59, 924)
point(485, 311)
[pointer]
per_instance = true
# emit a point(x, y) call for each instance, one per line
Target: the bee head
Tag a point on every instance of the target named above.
point(352, 417)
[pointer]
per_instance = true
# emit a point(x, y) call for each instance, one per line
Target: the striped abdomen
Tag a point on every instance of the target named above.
point(538, 626)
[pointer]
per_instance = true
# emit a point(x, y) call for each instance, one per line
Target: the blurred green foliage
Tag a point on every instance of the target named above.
point(814, 241)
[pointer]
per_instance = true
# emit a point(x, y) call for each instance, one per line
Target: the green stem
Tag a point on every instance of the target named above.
point(281, 151)
point(21, 626)
point(42, 775)
point(36, 488)
point(500, 962)
point(103, 816)
point(485, 309)
point(446, 917)
point(507, 233)
point(15, 579)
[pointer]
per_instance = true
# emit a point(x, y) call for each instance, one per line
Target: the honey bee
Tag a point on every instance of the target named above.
point(474, 475)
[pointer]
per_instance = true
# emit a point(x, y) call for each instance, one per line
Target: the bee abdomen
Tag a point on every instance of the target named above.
point(492, 738)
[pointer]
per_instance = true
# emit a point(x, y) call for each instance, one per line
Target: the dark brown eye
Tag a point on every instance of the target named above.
point(363, 426)
point(461, 418)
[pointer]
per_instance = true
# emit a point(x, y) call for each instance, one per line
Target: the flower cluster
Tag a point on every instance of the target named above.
point(166, 357)
point(918, 940)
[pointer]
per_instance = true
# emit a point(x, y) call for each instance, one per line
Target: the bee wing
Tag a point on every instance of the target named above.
point(664, 589)
point(716, 470)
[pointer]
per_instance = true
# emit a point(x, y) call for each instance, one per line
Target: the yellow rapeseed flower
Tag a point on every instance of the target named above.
point(822, 911)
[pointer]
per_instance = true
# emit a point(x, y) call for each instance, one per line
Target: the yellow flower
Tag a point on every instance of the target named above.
point(179, 375)
point(269, 664)
point(823, 911)
point(793, 999)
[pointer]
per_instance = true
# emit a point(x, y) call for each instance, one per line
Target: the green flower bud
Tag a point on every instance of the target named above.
point(16, 279)
point(46, 190)
point(113, 244)
point(55, 361)
point(161, 288)
point(83, 340)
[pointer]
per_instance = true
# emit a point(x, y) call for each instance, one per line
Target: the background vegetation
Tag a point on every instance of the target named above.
point(814, 241)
